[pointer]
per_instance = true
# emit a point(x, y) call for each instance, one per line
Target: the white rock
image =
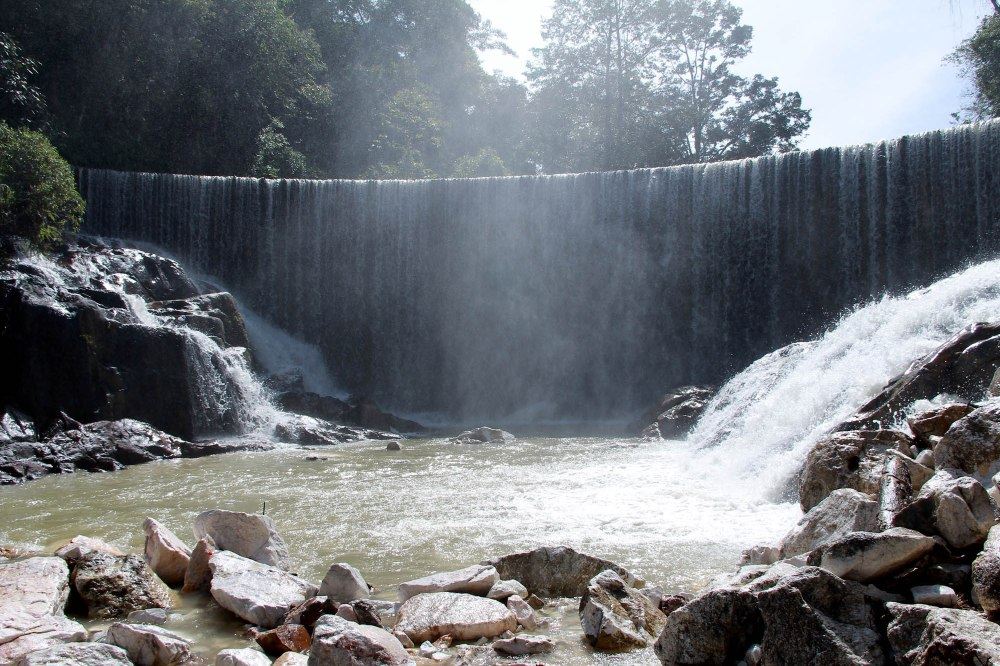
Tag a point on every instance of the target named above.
point(523, 645)
point(463, 616)
point(344, 583)
point(149, 616)
point(76, 654)
point(255, 592)
point(291, 659)
point(339, 642)
point(477, 579)
point(926, 458)
point(524, 613)
point(865, 556)
point(34, 594)
point(147, 645)
point(504, 589)
point(935, 595)
point(843, 511)
point(242, 657)
point(167, 555)
point(81, 545)
point(248, 534)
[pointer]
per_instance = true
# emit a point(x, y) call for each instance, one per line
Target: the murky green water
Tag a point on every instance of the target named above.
point(658, 509)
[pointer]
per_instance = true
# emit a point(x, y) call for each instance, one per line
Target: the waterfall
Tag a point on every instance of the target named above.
point(577, 296)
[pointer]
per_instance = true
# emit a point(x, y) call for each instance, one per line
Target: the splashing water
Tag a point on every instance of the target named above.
point(761, 424)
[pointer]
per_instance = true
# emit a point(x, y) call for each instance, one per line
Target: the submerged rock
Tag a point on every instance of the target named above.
point(616, 617)
point(464, 617)
point(483, 435)
point(258, 593)
point(337, 641)
point(556, 571)
point(478, 579)
point(168, 556)
point(148, 645)
point(113, 587)
point(677, 412)
point(250, 535)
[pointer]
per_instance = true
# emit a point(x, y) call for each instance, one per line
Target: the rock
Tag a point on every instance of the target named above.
point(147, 645)
point(79, 546)
point(198, 576)
point(761, 554)
point(241, 657)
point(346, 611)
point(483, 435)
point(927, 636)
point(16, 427)
point(964, 365)
point(937, 421)
point(504, 589)
point(247, 534)
point(403, 639)
point(557, 571)
point(255, 592)
point(216, 315)
point(477, 579)
point(393, 446)
point(76, 654)
point(367, 414)
point(463, 616)
point(676, 413)
point(291, 659)
point(34, 593)
point(868, 556)
point(616, 617)
point(368, 612)
point(165, 553)
point(113, 587)
point(337, 641)
point(853, 459)
point(520, 646)
point(794, 615)
point(310, 610)
point(926, 458)
point(149, 616)
point(986, 573)
point(286, 638)
point(935, 595)
point(535, 602)
point(959, 509)
point(843, 511)
point(344, 583)
point(972, 444)
point(524, 613)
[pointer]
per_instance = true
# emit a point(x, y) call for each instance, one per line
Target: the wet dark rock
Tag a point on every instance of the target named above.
point(483, 435)
point(972, 443)
point(362, 414)
point(114, 586)
point(215, 315)
point(676, 413)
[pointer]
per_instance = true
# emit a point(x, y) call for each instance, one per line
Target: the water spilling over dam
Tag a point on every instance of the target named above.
point(578, 296)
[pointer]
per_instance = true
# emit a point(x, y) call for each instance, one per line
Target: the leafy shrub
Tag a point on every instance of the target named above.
point(38, 197)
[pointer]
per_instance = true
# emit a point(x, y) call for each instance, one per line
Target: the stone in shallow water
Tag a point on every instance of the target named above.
point(524, 645)
point(248, 534)
point(77, 654)
point(337, 641)
point(166, 554)
point(115, 586)
point(556, 571)
point(477, 579)
point(147, 645)
point(344, 583)
point(242, 657)
point(483, 435)
point(504, 589)
point(465, 617)
point(81, 545)
point(260, 594)
point(616, 617)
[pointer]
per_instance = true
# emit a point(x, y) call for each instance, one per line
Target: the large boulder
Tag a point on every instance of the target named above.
point(928, 636)
point(34, 593)
point(113, 587)
point(344, 583)
point(258, 593)
point(166, 554)
point(483, 435)
point(986, 574)
point(616, 617)
point(464, 617)
point(843, 511)
point(338, 642)
point(248, 534)
point(676, 412)
point(148, 645)
point(81, 545)
point(972, 444)
point(853, 459)
point(76, 654)
point(198, 575)
point(959, 509)
point(868, 556)
point(477, 579)
point(556, 571)
point(935, 423)
point(793, 616)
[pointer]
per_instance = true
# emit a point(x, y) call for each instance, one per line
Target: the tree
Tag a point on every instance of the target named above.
point(979, 57)
point(21, 102)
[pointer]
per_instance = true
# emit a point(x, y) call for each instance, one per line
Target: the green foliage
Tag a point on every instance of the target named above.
point(275, 156)
point(21, 103)
point(980, 58)
point(38, 197)
point(487, 162)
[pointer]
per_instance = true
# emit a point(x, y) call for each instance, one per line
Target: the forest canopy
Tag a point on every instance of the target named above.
point(385, 88)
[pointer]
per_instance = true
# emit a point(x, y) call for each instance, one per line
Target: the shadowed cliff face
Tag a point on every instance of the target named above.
point(572, 296)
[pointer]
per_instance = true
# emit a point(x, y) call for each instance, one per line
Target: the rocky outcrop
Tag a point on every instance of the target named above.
point(258, 593)
point(363, 413)
point(464, 617)
point(167, 555)
point(113, 587)
point(147, 645)
point(216, 315)
point(251, 535)
point(477, 579)
point(556, 571)
point(483, 435)
point(927, 636)
point(616, 617)
point(77, 654)
point(344, 583)
point(34, 594)
point(676, 412)
point(338, 641)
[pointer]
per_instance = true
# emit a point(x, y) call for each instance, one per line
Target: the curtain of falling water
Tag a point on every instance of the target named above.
point(578, 296)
